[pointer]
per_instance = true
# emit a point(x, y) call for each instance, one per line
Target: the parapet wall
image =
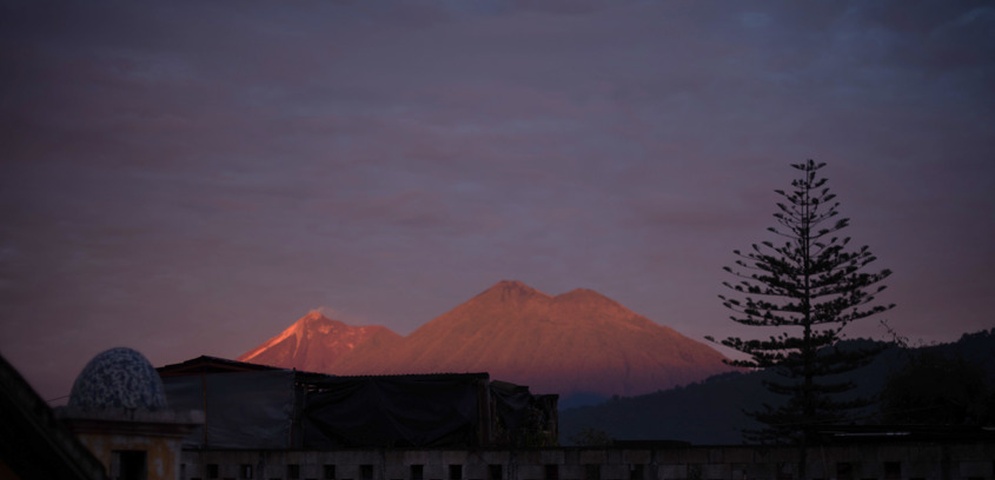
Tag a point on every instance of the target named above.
point(900, 461)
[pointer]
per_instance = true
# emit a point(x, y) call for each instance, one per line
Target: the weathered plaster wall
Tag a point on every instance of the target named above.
point(162, 454)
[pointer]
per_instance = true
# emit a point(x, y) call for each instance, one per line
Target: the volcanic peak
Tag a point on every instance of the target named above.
point(511, 290)
point(578, 341)
point(298, 330)
point(315, 342)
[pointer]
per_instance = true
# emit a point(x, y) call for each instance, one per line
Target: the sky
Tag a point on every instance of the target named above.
point(188, 178)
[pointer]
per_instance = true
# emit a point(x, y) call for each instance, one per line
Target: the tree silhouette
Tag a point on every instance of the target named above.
point(807, 289)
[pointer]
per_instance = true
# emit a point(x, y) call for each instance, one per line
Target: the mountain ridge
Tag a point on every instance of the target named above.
point(711, 412)
point(576, 342)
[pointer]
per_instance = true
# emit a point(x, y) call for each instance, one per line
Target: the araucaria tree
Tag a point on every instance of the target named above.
point(806, 287)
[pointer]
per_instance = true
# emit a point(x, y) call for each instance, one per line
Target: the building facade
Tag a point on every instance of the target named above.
point(878, 460)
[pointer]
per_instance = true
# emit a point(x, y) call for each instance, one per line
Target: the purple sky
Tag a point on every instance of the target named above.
point(188, 178)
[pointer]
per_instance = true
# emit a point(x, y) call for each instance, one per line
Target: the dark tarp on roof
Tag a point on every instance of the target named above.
point(511, 402)
point(284, 409)
point(241, 410)
point(394, 411)
point(209, 364)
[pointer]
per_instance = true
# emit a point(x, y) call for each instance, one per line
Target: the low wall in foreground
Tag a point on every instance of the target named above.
point(878, 461)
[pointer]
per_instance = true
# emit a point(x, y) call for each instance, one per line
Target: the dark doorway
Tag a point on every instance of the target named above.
point(131, 465)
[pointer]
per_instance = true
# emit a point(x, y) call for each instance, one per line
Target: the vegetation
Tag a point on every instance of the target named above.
point(939, 388)
point(711, 412)
point(805, 290)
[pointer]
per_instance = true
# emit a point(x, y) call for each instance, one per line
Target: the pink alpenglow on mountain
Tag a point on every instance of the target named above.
point(576, 342)
point(315, 343)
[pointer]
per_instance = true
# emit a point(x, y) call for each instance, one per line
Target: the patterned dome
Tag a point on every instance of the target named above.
point(118, 378)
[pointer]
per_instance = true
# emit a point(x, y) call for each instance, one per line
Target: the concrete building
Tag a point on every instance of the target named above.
point(254, 420)
point(878, 460)
point(258, 407)
point(849, 453)
point(118, 410)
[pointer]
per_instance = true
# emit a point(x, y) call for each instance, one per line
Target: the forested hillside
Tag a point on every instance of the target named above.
point(711, 412)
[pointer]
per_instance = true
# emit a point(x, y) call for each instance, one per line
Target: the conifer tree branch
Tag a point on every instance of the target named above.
point(810, 287)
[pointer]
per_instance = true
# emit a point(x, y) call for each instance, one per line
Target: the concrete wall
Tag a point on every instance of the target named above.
point(900, 461)
point(139, 443)
point(162, 454)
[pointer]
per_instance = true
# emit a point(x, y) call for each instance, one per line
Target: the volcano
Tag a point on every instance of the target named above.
point(315, 343)
point(579, 342)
